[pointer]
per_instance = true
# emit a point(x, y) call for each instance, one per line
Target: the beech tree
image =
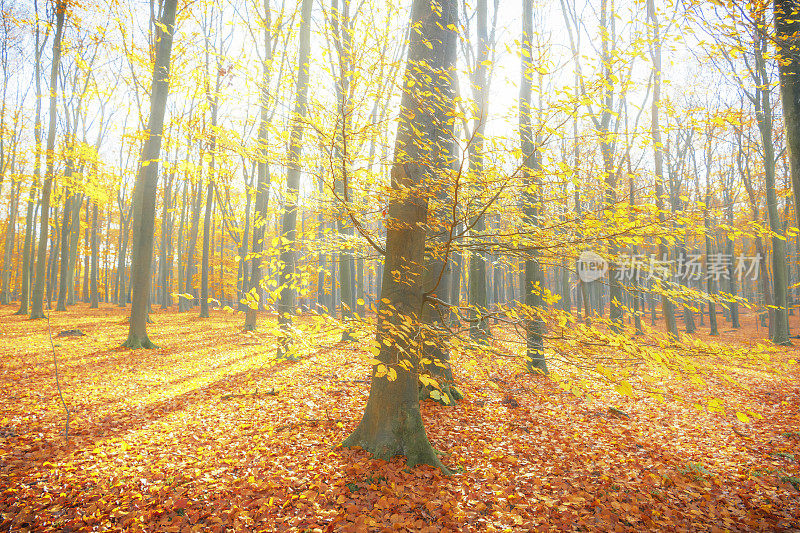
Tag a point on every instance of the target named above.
point(392, 423)
point(288, 257)
point(37, 304)
point(147, 181)
point(787, 25)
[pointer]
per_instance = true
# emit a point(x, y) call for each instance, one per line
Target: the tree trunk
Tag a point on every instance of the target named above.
point(532, 204)
point(86, 254)
point(780, 329)
point(787, 24)
point(667, 307)
point(186, 303)
point(147, 181)
point(11, 226)
point(255, 291)
point(165, 258)
point(392, 423)
point(711, 282)
point(479, 327)
point(75, 234)
point(37, 310)
point(179, 251)
point(342, 35)
point(286, 276)
point(120, 292)
point(94, 301)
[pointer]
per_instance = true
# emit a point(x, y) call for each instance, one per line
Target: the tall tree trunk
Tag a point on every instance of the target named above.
point(787, 24)
point(94, 301)
point(27, 253)
point(147, 181)
point(52, 263)
point(780, 329)
point(667, 307)
point(711, 282)
point(213, 101)
point(729, 250)
point(186, 303)
point(11, 226)
point(86, 254)
point(37, 310)
point(255, 291)
point(165, 258)
point(120, 292)
point(286, 277)
point(75, 234)
point(479, 327)
point(342, 31)
point(636, 279)
point(392, 423)
point(532, 206)
point(179, 251)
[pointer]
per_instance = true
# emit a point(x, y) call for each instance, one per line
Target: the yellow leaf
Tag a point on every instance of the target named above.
point(625, 389)
point(743, 418)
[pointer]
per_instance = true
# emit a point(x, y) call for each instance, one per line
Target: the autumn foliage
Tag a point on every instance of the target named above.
point(210, 433)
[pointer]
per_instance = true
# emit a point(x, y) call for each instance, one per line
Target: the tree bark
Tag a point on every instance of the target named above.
point(185, 303)
point(392, 424)
point(668, 308)
point(286, 277)
point(37, 310)
point(11, 226)
point(532, 203)
point(780, 329)
point(94, 301)
point(148, 182)
point(263, 182)
point(479, 327)
point(787, 25)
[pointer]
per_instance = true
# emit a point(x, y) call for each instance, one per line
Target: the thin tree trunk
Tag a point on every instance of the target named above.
point(479, 328)
point(94, 301)
point(11, 226)
point(86, 254)
point(186, 303)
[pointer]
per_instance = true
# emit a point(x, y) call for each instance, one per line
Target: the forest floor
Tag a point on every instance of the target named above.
point(210, 433)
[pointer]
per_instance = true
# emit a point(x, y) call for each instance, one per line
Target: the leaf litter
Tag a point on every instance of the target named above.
point(209, 433)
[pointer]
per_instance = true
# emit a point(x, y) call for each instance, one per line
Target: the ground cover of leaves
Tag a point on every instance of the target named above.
point(208, 433)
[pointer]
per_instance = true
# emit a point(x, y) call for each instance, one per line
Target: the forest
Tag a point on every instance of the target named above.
point(434, 265)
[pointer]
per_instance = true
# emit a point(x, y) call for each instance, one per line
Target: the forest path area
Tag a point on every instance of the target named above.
point(208, 432)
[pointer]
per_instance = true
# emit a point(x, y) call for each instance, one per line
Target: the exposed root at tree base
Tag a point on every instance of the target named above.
point(139, 344)
point(399, 433)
